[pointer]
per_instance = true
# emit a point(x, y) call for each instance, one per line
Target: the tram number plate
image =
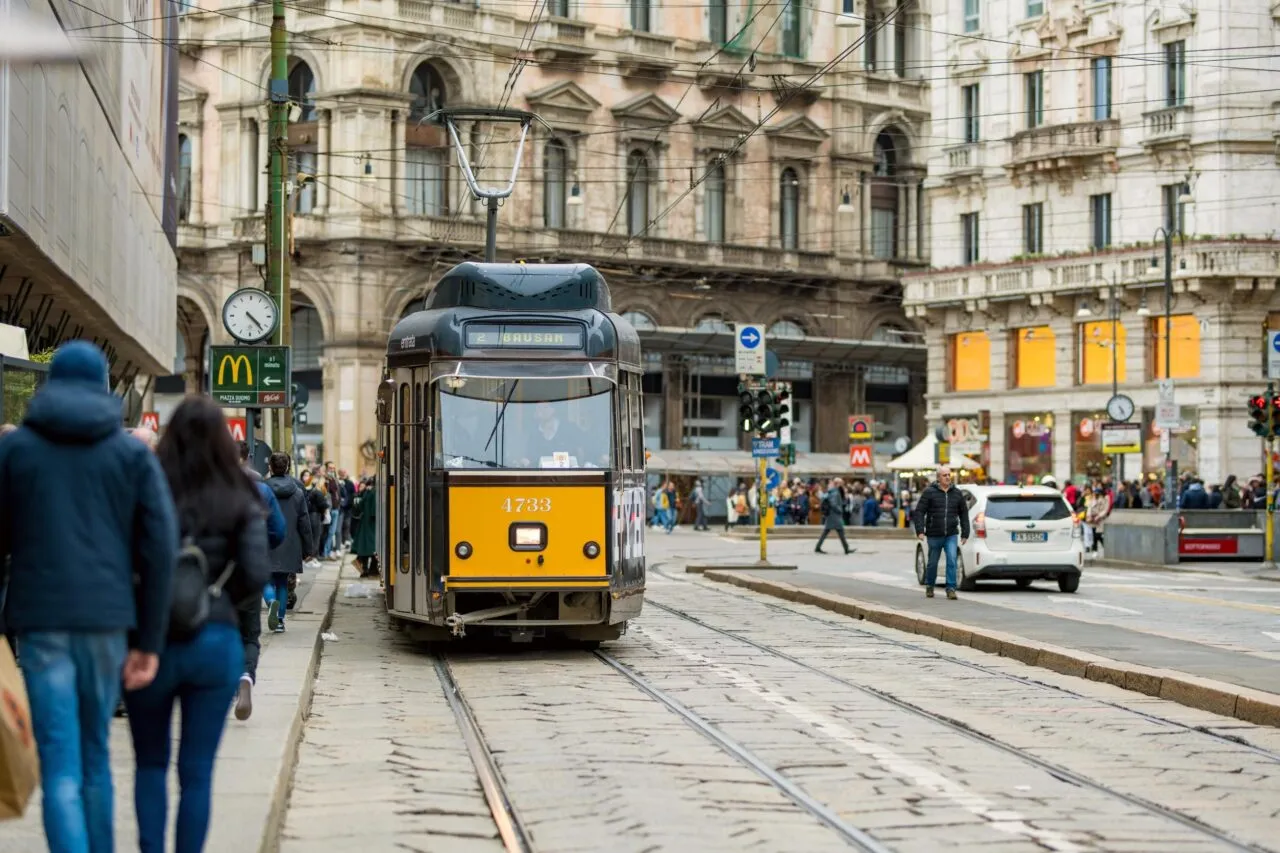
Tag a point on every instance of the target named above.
point(526, 505)
point(1031, 537)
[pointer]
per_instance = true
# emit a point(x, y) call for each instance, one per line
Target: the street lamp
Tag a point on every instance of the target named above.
point(1165, 233)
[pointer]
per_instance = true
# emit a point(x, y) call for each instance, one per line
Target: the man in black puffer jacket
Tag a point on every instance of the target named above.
point(299, 540)
point(940, 515)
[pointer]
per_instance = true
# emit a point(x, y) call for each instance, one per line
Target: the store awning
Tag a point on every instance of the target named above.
point(831, 351)
point(923, 457)
point(715, 463)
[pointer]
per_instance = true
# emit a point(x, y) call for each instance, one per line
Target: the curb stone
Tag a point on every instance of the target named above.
point(327, 584)
point(1217, 697)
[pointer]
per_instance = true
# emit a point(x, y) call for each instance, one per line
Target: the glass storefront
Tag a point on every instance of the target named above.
point(1184, 445)
point(1087, 458)
point(1029, 446)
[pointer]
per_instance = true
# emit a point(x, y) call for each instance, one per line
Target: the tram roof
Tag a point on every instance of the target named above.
point(522, 287)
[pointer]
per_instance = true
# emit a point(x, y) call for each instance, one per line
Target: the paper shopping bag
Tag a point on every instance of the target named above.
point(19, 764)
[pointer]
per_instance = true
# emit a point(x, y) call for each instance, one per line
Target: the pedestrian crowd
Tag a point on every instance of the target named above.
point(137, 566)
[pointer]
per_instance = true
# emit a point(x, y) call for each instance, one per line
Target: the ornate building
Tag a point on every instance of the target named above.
point(641, 170)
point(1067, 137)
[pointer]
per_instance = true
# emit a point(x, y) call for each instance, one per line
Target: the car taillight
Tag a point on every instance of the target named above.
point(1077, 528)
point(980, 526)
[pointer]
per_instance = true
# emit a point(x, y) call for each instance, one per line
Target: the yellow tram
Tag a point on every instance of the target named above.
point(511, 487)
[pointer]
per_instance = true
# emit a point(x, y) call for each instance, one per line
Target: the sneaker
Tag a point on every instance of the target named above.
point(273, 615)
point(928, 592)
point(278, 629)
point(951, 594)
point(244, 698)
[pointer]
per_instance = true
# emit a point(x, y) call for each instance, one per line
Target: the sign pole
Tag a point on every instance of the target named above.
point(277, 219)
point(764, 510)
point(1268, 561)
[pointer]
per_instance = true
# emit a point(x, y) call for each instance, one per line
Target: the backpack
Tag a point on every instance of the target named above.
point(193, 595)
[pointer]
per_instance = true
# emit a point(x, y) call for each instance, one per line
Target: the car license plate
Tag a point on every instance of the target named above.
point(1031, 537)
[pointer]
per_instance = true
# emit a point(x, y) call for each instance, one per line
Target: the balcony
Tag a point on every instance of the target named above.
point(1169, 126)
point(895, 92)
point(646, 54)
point(963, 161)
point(1062, 147)
point(1038, 281)
point(564, 40)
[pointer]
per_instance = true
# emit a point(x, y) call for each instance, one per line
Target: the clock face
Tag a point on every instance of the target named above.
point(1120, 408)
point(250, 315)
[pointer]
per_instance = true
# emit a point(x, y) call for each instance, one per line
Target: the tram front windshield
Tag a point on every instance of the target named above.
point(524, 423)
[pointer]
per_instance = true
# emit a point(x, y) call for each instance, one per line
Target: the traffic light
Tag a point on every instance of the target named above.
point(1260, 409)
point(764, 411)
point(781, 409)
point(787, 454)
point(746, 408)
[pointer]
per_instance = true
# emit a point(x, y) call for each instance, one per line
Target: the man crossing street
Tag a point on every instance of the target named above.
point(941, 517)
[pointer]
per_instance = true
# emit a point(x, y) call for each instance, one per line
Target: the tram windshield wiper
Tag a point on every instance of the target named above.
point(498, 422)
point(488, 463)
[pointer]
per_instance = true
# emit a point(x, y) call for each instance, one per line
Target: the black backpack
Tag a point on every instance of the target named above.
point(193, 595)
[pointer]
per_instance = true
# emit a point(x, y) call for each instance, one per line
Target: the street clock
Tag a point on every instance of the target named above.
point(250, 315)
point(1120, 408)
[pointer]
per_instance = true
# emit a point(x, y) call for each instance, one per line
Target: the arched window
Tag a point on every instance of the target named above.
point(714, 201)
point(791, 18)
point(790, 223)
point(302, 157)
point(184, 178)
point(712, 323)
point(641, 321)
point(555, 179)
point(785, 329)
point(884, 197)
point(302, 91)
point(308, 337)
point(426, 149)
point(637, 193)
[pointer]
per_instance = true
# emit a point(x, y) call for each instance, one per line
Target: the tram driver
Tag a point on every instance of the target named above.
point(553, 433)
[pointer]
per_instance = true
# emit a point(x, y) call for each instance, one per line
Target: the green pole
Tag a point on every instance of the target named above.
point(277, 220)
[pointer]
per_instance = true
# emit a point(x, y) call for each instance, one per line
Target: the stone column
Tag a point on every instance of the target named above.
point(1001, 363)
point(1062, 440)
point(351, 374)
point(322, 162)
point(674, 371)
point(249, 179)
point(192, 368)
point(864, 216)
point(196, 189)
point(836, 395)
point(997, 438)
point(263, 166)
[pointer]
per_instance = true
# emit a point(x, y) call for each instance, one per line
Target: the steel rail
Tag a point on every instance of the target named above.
point(851, 834)
point(514, 837)
point(1057, 770)
point(850, 625)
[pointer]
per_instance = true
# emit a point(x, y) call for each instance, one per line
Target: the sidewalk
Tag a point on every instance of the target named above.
point(255, 758)
point(1253, 571)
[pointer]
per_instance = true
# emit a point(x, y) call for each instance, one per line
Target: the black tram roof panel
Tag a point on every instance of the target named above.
point(522, 287)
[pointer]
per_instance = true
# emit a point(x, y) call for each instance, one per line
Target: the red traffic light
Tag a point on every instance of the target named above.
point(1258, 401)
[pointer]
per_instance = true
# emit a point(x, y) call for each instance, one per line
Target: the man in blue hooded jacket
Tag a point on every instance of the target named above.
point(84, 509)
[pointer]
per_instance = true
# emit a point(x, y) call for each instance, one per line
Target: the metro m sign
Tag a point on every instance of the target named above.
point(239, 429)
point(860, 456)
point(151, 421)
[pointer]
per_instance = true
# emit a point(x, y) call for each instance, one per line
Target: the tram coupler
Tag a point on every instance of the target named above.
point(458, 622)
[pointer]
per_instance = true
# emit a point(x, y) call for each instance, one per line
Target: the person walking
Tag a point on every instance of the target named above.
point(249, 611)
point(940, 515)
point(318, 506)
point(86, 510)
point(299, 541)
point(699, 499)
point(833, 516)
point(223, 520)
point(364, 543)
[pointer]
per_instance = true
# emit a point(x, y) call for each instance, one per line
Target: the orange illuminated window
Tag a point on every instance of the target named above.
point(1184, 347)
point(1097, 350)
point(1035, 357)
point(970, 362)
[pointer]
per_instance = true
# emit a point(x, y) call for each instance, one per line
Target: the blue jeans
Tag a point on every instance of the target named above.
point(73, 684)
point(277, 589)
point(937, 544)
point(335, 532)
point(202, 675)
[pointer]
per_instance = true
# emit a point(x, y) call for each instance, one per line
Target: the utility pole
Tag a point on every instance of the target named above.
point(277, 219)
point(1268, 447)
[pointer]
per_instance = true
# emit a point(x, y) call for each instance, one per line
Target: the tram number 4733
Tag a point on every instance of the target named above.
point(526, 505)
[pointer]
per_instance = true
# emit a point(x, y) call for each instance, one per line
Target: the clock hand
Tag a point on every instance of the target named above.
point(254, 319)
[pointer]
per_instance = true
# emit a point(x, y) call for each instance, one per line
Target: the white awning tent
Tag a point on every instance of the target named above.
point(923, 457)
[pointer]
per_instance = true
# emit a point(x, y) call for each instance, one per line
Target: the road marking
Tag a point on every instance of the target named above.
point(1003, 820)
point(1212, 602)
point(1275, 635)
point(1273, 588)
point(1062, 599)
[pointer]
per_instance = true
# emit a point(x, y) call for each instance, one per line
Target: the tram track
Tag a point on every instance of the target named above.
point(1061, 773)
point(849, 624)
point(515, 838)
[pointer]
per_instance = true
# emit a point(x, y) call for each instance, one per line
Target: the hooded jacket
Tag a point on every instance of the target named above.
point(287, 556)
point(275, 518)
point(84, 507)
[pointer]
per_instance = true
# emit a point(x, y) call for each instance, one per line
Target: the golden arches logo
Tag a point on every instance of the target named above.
point(236, 361)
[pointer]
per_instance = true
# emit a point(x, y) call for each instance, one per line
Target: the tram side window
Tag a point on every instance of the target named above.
point(635, 402)
point(626, 453)
point(419, 486)
point(406, 475)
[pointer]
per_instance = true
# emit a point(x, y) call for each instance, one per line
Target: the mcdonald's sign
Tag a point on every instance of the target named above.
point(250, 377)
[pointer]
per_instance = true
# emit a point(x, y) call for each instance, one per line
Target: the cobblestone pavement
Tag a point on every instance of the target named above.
point(592, 763)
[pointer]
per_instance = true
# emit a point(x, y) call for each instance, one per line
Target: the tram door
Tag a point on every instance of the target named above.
point(401, 550)
point(421, 510)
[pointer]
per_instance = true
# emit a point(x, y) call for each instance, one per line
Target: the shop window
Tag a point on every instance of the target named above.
point(1097, 351)
point(1183, 344)
point(1087, 458)
point(1184, 444)
point(970, 360)
point(1035, 358)
point(1029, 447)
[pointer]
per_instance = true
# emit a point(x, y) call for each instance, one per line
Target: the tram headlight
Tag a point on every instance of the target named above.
point(528, 536)
point(463, 550)
point(592, 550)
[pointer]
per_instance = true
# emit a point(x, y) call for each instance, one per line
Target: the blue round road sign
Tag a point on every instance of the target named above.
point(772, 478)
point(1275, 341)
point(750, 337)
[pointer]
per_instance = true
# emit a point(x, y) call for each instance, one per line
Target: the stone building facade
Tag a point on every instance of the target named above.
point(807, 227)
point(1068, 140)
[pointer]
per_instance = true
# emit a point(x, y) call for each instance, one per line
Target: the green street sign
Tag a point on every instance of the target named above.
point(250, 377)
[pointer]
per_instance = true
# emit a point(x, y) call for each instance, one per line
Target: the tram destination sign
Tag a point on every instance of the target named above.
point(250, 377)
point(523, 336)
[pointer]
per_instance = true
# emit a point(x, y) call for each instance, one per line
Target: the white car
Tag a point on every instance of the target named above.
point(1019, 533)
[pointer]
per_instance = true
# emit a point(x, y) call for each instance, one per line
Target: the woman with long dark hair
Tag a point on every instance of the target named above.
point(221, 514)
